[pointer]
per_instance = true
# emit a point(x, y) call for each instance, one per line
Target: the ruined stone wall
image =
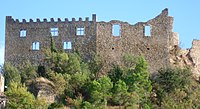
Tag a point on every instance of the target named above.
point(195, 57)
point(132, 40)
point(182, 58)
point(19, 49)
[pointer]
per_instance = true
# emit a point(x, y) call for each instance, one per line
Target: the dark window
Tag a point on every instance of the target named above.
point(54, 31)
point(116, 30)
point(80, 31)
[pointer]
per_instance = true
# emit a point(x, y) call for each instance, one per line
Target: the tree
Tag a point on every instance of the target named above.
point(176, 100)
point(100, 91)
point(170, 79)
point(56, 61)
point(40, 104)
point(95, 65)
point(141, 75)
point(138, 80)
point(194, 95)
point(58, 81)
point(173, 83)
point(187, 98)
point(122, 97)
point(116, 74)
point(76, 83)
point(134, 75)
point(41, 70)
point(129, 60)
point(28, 72)
point(74, 64)
point(53, 47)
point(56, 106)
point(20, 98)
point(11, 74)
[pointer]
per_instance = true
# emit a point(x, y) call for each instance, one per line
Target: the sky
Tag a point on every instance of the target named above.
point(186, 13)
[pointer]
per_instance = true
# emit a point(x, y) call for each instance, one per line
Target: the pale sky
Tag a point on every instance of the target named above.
point(186, 13)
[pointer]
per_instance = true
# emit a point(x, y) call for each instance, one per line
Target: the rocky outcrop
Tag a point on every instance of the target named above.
point(44, 89)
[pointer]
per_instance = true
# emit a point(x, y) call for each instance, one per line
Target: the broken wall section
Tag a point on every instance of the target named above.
point(187, 57)
point(133, 40)
point(195, 57)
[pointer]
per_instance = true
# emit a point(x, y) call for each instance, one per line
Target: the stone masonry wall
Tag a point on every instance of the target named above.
point(160, 48)
point(195, 57)
point(19, 49)
point(132, 40)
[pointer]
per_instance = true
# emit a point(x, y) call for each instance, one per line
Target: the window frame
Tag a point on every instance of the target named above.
point(35, 46)
point(54, 31)
point(67, 45)
point(80, 31)
point(116, 30)
point(22, 33)
point(147, 31)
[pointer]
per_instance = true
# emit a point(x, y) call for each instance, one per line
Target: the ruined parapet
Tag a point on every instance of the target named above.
point(150, 39)
point(174, 40)
point(175, 50)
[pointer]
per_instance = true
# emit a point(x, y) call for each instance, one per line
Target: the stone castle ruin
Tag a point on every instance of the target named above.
point(153, 39)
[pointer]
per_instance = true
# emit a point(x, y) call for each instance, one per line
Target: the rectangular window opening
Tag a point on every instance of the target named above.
point(116, 30)
point(67, 45)
point(80, 31)
point(54, 31)
point(147, 30)
point(35, 46)
point(22, 33)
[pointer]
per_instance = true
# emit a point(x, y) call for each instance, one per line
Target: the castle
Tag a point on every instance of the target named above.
point(153, 39)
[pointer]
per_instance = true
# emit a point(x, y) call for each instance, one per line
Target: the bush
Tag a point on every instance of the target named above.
point(56, 106)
